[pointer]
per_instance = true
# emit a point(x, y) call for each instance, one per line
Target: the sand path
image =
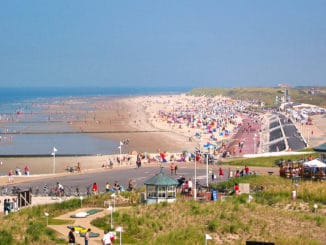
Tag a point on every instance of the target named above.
point(84, 222)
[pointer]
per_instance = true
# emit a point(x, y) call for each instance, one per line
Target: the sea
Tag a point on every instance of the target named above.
point(26, 129)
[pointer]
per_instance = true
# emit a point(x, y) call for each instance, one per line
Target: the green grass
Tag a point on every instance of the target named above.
point(265, 161)
point(271, 216)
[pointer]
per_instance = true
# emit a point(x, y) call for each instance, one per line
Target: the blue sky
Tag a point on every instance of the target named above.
point(162, 43)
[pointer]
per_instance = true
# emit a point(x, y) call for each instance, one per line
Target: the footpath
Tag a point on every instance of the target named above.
point(85, 222)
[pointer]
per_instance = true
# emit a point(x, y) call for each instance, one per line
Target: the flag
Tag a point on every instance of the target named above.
point(208, 237)
point(121, 143)
point(55, 149)
point(118, 229)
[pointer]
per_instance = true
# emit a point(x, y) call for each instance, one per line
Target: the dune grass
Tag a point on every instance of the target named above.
point(271, 216)
point(298, 94)
point(265, 161)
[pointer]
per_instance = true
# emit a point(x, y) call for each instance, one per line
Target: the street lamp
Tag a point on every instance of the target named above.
point(195, 184)
point(47, 218)
point(81, 201)
point(53, 154)
point(114, 196)
point(110, 208)
point(119, 229)
point(207, 169)
point(120, 151)
point(255, 143)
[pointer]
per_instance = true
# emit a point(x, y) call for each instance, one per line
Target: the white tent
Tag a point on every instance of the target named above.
point(315, 164)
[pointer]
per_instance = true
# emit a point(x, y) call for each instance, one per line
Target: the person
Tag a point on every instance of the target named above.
point(71, 236)
point(95, 188)
point(10, 176)
point(106, 240)
point(172, 168)
point(60, 189)
point(236, 189)
point(86, 237)
point(116, 186)
point(107, 187)
point(175, 169)
point(189, 186)
point(246, 170)
point(6, 206)
point(138, 161)
point(18, 172)
point(131, 185)
point(26, 170)
point(221, 172)
point(78, 167)
point(213, 176)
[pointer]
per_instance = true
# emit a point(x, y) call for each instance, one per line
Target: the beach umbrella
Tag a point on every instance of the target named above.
point(208, 145)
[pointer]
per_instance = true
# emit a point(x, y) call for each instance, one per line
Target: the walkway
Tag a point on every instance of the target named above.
point(84, 222)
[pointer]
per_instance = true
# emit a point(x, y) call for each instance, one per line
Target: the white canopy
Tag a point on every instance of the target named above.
point(315, 164)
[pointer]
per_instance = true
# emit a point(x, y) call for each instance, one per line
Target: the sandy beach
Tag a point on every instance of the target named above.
point(142, 123)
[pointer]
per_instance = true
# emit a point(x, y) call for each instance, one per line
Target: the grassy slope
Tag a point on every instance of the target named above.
point(264, 161)
point(272, 216)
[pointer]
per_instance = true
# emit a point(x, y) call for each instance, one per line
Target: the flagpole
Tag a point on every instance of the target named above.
point(207, 170)
point(53, 153)
point(53, 162)
point(195, 190)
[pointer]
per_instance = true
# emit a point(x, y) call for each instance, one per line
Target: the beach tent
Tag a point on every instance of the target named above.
point(315, 164)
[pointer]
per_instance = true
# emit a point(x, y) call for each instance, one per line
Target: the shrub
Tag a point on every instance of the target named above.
point(35, 230)
point(6, 238)
point(212, 225)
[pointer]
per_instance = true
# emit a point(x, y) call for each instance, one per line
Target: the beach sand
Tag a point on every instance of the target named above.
point(132, 118)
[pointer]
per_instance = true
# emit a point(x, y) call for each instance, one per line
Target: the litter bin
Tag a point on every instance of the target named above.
point(214, 195)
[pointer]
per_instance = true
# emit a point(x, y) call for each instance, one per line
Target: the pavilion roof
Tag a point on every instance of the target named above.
point(161, 179)
point(321, 148)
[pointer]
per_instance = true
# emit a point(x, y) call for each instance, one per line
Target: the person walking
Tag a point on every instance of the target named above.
point(86, 237)
point(71, 237)
point(107, 238)
point(10, 176)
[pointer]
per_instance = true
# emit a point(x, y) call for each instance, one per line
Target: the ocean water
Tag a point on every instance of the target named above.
point(22, 110)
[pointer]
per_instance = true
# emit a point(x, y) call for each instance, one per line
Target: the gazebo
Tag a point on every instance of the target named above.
point(322, 149)
point(160, 188)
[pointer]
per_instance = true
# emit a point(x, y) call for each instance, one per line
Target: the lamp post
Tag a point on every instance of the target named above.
point(53, 154)
point(81, 201)
point(47, 218)
point(120, 151)
point(195, 184)
point(110, 208)
point(114, 196)
point(255, 143)
point(207, 169)
point(119, 229)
